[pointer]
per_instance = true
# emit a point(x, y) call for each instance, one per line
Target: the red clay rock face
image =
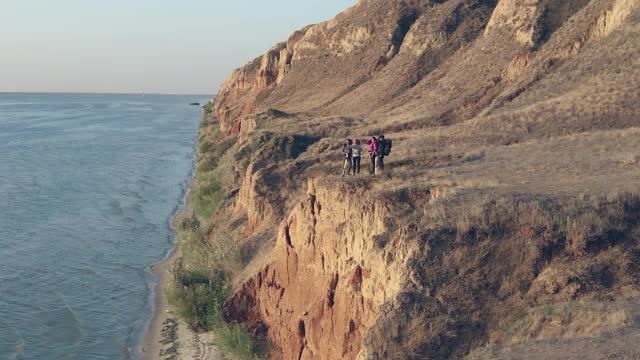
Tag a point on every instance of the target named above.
point(328, 280)
point(240, 93)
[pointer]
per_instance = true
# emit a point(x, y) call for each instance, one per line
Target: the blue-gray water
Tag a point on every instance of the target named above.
point(87, 186)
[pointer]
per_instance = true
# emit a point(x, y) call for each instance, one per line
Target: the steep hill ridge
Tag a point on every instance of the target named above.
point(508, 212)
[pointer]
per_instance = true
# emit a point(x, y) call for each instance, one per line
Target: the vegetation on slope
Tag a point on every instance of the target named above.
point(201, 276)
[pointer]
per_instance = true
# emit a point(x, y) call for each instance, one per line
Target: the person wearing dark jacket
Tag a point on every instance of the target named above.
point(356, 151)
point(382, 143)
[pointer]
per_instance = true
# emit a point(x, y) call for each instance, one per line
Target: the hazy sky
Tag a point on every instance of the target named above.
point(152, 46)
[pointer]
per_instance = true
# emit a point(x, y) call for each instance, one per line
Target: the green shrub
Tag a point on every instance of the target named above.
point(206, 122)
point(206, 197)
point(190, 223)
point(207, 164)
point(211, 153)
point(199, 303)
point(206, 147)
point(198, 300)
point(208, 108)
point(200, 286)
point(234, 339)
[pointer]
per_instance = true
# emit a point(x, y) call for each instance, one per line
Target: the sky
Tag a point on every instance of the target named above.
point(142, 46)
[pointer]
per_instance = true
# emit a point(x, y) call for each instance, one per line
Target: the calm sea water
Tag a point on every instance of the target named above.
point(88, 184)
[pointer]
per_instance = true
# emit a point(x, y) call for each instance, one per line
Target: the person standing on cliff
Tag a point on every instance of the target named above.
point(384, 149)
point(347, 150)
point(356, 151)
point(373, 153)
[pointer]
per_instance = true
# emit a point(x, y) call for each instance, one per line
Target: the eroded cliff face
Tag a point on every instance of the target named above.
point(356, 276)
point(404, 265)
point(328, 280)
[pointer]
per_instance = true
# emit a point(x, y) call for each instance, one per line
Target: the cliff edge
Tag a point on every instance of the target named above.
point(506, 224)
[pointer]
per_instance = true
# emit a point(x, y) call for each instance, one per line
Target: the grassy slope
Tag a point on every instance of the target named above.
point(201, 276)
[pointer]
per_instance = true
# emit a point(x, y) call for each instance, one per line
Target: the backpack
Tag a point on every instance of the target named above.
point(347, 150)
point(386, 147)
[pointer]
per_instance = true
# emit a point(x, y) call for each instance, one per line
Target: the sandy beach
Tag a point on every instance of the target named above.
point(167, 336)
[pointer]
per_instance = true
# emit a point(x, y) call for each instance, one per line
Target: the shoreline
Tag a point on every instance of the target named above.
point(152, 340)
point(151, 345)
point(168, 337)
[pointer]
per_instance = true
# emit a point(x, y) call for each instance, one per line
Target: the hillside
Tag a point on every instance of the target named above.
point(506, 224)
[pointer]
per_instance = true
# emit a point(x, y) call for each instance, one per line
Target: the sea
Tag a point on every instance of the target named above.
point(88, 188)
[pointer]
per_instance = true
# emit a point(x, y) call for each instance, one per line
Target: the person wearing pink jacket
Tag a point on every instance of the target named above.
point(373, 153)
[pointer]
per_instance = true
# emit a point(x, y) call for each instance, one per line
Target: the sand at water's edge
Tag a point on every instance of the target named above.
point(169, 335)
point(151, 345)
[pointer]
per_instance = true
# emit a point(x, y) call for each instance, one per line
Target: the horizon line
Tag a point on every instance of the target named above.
point(100, 93)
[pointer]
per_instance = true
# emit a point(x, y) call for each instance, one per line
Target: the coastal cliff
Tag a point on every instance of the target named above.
point(507, 220)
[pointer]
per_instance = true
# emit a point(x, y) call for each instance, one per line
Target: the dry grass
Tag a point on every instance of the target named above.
point(630, 159)
point(584, 229)
point(568, 320)
point(484, 261)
